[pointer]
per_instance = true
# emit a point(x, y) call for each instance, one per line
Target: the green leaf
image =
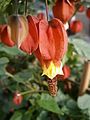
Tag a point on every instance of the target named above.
point(86, 3)
point(48, 103)
point(84, 102)
point(27, 115)
point(17, 116)
point(4, 60)
point(25, 75)
point(42, 116)
point(4, 4)
point(2, 70)
point(81, 47)
point(10, 50)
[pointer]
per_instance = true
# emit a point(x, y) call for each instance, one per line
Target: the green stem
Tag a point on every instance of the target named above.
point(26, 2)
point(16, 7)
point(33, 92)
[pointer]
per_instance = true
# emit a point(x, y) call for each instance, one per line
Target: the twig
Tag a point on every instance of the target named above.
point(33, 92)
point(26, 2)
point(16, 7)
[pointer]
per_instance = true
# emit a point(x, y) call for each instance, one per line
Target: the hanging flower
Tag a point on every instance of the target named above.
point(76, 26)
point(17, 99)
point(52, 46)
point(16, 30)
point(81, 8)
point(64, 10)
point(30, 44)
point(5, 37)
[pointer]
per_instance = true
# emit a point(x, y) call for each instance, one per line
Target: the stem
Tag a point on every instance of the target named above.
point(33, 92)
point(16, 7)
point(46, 4)
point(26, 2)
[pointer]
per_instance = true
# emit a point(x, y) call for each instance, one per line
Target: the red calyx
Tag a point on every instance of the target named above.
point(76, 26)
point(17, 99)
point(82, 8)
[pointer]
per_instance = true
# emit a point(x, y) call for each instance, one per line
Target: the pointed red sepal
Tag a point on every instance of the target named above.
point(45, 43)
point(30, 43)
point(52, 39)
point(5, 36)
point(60, 38)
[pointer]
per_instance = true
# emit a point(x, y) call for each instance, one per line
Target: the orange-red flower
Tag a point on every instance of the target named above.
point(21, 31)
point(15, 31)
point(82, 8)
point(48, 40)
point(76, 26)
point(64, 9)
point(5, 37)
point(17, 99)
point(52, 46)
point(30, 44)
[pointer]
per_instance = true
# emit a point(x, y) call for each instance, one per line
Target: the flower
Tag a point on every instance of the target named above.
point(64, 10)
point(15, 31)
point(52, 46)
point(76, 26)
point(81, 8)
point(30, 44)
point(17, 99)
point(5, 37)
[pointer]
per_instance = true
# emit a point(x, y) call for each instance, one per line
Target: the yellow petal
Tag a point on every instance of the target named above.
point(52, 70)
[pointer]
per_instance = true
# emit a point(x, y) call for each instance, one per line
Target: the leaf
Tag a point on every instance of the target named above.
point(10, 50)
point(4, 4)
point(17, 116)
point(2, 70)
point(82, 47)
point(42, 116)
point(86, 3)
point(25, 75)
point(4, 60)
point(84, 102)
point(48, 103)
point(61, 97)
point(27, 115)
point(73, 107)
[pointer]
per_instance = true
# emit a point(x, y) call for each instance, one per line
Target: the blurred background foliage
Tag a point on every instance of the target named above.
point(21, 72)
